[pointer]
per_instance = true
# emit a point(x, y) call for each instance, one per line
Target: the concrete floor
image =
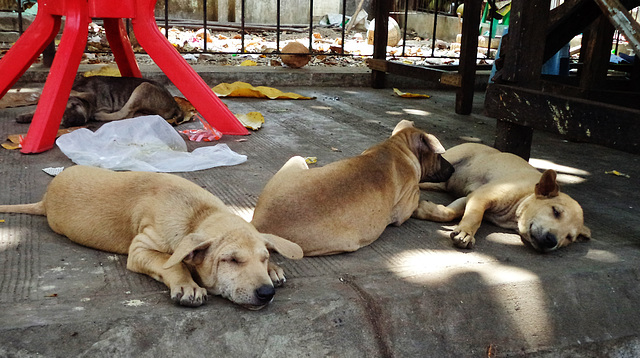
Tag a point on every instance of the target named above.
point(409, 294)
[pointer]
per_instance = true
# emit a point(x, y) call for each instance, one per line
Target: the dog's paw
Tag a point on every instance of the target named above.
point(276, 273)
point(191, 296)
point(462, 239)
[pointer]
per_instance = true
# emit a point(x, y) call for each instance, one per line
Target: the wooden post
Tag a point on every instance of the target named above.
point(523, 59)
point(468, 55)
point(380, 37)
point(596, 54)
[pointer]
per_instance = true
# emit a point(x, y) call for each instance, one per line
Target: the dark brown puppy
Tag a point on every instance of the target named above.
point(104, 98)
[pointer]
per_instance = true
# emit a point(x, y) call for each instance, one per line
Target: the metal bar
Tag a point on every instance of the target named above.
point(435, 24)
point(242, 24)
point(204, 27)
point(310, 26)
point(278, 26)
point(406, 21)
point(344, 30)
point(166, 18)
point(20, 30)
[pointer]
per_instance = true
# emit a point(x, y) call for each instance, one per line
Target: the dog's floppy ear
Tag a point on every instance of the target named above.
point(283, 246)
point(433, 143)
point(191, 249)
point(584, 234)
point(547, 187)
point(402, 125)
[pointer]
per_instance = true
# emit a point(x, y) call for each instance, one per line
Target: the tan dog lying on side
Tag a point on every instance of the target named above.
point(504, 189)
point(173, 230)
point(346, 205)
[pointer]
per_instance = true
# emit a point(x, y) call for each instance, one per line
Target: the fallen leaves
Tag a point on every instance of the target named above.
point(409, 95)
point(251, 120)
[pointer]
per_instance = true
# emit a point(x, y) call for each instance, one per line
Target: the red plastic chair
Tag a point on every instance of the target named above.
point(78, 13)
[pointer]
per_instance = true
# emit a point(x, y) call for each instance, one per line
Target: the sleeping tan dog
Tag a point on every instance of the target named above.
point(173, 230)
point(346, 205)
point(504, 189)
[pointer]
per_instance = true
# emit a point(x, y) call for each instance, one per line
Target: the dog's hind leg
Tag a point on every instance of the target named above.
point(436, 212)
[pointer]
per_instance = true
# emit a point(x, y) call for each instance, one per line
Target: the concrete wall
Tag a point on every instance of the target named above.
point(256, 11)
point(422, 23)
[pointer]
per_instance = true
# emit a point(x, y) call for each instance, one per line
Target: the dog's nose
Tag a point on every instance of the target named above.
point(265, 293)
point(549, 241)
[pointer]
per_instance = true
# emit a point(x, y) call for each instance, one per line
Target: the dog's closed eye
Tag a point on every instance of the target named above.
point(556, 213)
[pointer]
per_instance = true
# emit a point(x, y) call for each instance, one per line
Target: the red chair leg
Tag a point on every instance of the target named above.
point(121, 47)
point(46, 120)
point(180, 73)
point(28, 47)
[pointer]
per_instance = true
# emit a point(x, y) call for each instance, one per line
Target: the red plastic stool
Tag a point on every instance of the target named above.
point(78, 13)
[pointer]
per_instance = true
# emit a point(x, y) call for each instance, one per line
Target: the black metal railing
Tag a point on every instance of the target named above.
point(405, 6)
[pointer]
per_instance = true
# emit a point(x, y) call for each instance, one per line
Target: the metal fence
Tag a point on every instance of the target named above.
point(244, 29)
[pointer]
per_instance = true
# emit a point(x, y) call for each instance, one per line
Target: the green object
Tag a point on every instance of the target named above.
point(504, 9)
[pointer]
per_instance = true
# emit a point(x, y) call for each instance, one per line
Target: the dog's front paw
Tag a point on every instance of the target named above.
point(462, 239)
point(276, 273)
point(191, 296)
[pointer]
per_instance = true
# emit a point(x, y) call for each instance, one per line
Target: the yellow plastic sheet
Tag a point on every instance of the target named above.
point(108, 70)
point(243, 89)
point(409, 95)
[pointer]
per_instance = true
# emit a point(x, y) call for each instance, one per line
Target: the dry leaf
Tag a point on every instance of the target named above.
point(249, 63)
point(15, 140)
point(409, 95)
point(243, 89)
point(251, 120)
point(19, 98)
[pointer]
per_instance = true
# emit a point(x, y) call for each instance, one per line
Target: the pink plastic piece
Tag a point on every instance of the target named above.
point(78, 13)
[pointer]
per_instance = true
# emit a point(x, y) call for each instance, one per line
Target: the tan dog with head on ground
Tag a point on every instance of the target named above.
point(346, 205)
point(173, 230)
point(504, 189)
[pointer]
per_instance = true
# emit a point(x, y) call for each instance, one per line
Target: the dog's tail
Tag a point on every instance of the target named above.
point(34, 209)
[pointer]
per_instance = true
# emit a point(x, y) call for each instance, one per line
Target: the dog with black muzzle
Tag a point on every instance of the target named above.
point(506, 190)
point(104, 98)
point(346, 205)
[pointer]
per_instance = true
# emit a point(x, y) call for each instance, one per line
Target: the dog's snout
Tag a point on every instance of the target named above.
point(265, 293)
point(548, 241)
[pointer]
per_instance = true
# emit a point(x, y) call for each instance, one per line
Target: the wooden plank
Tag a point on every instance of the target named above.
point(596, 53)
point(380, 37)
point(576, 119)
point(422, 73)
point(622, 21)
point(468, 56)
point(521, 64)
point(570, 19)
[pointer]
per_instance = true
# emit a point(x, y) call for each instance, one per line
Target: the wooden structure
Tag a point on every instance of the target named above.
point(590, 107)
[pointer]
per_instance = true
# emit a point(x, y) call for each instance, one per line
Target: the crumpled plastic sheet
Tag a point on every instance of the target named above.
point(146, 143)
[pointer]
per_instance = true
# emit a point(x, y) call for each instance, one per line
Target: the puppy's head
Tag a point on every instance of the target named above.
point(427, 148)
point(77, 112)
point(234, 264)
point(549, 219)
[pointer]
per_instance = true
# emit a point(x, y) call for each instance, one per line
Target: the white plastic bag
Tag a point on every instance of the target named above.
point(146, 143)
